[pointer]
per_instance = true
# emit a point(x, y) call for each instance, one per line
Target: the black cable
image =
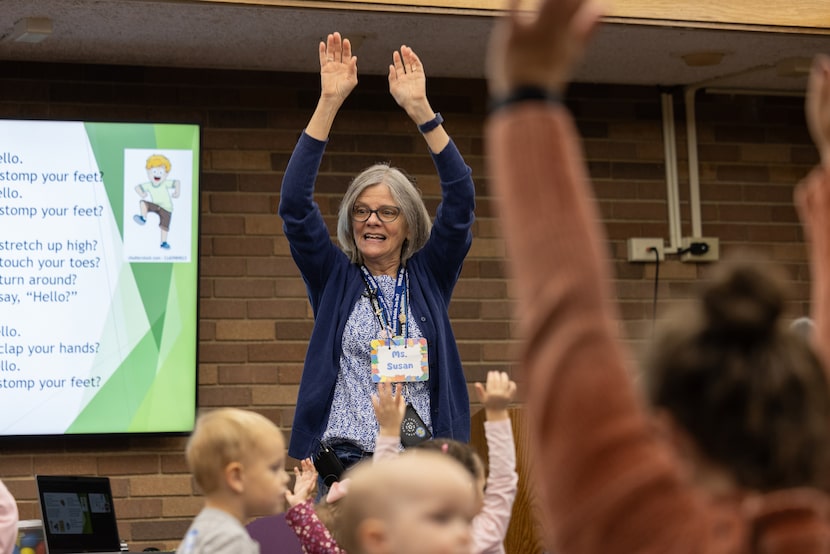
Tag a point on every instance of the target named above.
point(656, 282)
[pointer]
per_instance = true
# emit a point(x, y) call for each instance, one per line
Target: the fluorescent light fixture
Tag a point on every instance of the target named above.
point(31, 29)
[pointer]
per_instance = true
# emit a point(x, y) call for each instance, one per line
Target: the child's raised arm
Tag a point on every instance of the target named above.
point(813, 203)
point(302, 518)
point(305, 481)
point(389, 405)
point(496, 395)
point(491, 524)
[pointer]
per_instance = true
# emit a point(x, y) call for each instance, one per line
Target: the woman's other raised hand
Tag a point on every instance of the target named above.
point(817, 106)
point(338, 68)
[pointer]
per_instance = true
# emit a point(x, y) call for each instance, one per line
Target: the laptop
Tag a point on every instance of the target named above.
point(78, 514)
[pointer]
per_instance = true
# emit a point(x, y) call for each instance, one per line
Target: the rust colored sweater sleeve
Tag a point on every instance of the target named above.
point(813, 202)
point(608, 486)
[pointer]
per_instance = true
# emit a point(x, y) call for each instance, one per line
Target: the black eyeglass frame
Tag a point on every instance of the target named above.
point(377, 212)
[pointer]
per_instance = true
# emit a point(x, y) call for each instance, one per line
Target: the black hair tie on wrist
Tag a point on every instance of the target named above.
point(525, 94)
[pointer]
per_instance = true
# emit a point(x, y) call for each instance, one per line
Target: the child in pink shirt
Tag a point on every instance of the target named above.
point(498, 490)
point(8, 519)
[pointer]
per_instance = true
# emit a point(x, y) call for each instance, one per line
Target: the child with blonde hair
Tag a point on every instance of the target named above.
point(418, 503)
point(237, 458)
point(496, 491)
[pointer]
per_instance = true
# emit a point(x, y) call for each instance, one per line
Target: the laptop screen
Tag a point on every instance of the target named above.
point(78, 514)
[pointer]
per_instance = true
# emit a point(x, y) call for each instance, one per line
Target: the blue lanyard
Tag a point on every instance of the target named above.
point(386, 317)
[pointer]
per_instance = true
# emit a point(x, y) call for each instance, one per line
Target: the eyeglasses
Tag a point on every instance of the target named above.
point(386, 214)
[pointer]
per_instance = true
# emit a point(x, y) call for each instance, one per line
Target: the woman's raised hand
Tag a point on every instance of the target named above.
point(338, 68)
point(818, 106)
point(408, 84)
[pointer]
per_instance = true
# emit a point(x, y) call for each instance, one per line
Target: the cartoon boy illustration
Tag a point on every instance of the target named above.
point(158, 189)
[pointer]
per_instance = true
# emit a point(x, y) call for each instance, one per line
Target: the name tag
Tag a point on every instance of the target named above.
point(398, 360)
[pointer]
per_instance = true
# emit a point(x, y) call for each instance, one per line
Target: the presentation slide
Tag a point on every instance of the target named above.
point(98, 277)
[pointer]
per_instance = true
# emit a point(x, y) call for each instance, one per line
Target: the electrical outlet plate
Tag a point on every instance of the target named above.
point(711, 256)
point(640, 250)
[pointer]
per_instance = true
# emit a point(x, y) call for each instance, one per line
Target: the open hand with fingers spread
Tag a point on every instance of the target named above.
point(818, 106)
point(496, 395)
point(811, 194)
point(338, 68)
point(305, 483)
point(539, 50)
point(390, 406)
point(408, 84)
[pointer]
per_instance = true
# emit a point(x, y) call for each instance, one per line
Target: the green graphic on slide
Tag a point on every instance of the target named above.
point(108, 142)
point(147, 388)
point(145, 332)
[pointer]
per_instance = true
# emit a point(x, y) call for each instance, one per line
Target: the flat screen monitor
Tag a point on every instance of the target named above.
point(99, 227)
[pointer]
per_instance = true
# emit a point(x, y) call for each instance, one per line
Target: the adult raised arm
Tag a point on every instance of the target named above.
point(813, 202)
point(338, 78)
point(408, 86)
point(601, 479)
point(539, 50)
point(817, 106)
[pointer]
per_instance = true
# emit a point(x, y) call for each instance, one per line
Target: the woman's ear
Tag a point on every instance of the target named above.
point(373, 537)
point(234, 477)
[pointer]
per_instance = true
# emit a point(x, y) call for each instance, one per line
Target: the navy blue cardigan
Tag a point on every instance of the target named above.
point(334, 285)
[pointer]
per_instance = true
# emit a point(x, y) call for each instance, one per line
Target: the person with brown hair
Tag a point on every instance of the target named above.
point(742, 403)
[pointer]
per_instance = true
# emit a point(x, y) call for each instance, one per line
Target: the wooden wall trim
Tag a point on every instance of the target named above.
point(803, 16)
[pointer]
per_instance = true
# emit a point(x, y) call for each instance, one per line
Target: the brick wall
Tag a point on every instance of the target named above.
point(254, 316)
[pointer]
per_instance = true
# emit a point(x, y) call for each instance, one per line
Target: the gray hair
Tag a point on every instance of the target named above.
point(406, 196)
